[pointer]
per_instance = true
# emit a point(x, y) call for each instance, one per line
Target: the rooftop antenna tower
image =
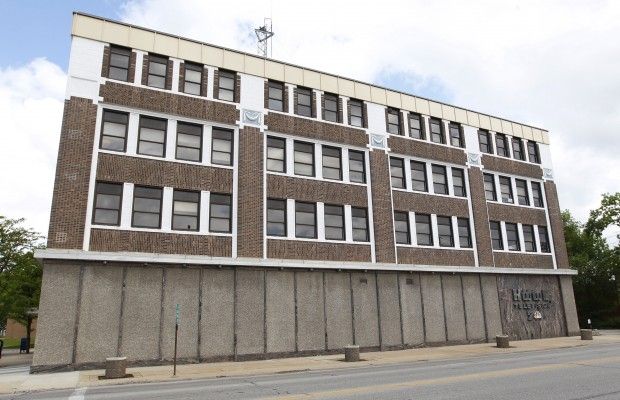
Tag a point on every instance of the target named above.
point(264, 35)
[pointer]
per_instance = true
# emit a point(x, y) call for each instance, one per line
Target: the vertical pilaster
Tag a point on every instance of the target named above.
point(480, 217)
point(250, 197)
point(382, 207)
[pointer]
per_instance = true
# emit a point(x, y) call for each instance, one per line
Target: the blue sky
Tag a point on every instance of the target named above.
point(44, 28)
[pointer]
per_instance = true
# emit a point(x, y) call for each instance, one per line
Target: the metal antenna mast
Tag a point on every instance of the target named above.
point(264, 34)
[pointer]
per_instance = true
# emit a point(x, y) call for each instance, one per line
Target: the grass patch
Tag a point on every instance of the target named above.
point(10, 343)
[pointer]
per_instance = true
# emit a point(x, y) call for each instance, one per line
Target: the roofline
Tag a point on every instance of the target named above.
point(297, 66)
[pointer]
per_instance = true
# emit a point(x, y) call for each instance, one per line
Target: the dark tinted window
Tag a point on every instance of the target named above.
point(332, 163)
point(334, 222)
point(356, 113)
point(523, 197)
point(304, 102)
point(146, 207)
point(444, 230)
point(528, 238)
point(192, 82)
point(517, 149)
point(305, 220)
point(501, 145)
point(189, 142)
point(330, 107)
point(226, 85)
point(359, 221)
point(186, 211)
point(440, 180)
point(304, 159)
point(393, 121)
point(418, 176)
point(543, 236)
point(152, 136)
point(276, 217)
point(276, 96)
point(357, 167)
point(222, 147)
point(107, 208)
point(484, 140)
point(456, 135)
point(537, 195)
point(401, 227)
point(397, 171)
point(119, 63)
point(496, 235)
point(436, 130)
point(464, 232)
point(489, 187)
point(416, 126)
point(458, 182)
point(532, 152)
point(424, 230)
point(505, 188)
point(276, 154)
point(512, 237)
point(114, 130)
point(158, 67)
point(220, 213)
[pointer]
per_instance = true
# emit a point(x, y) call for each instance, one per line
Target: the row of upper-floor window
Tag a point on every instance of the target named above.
point(423, 176)
point(153, 134)
point(308, 159)
point(503, 188)
point(419, 229)
point(147, 206)
point(299, 219)
point(331, 106)
point(510, 147)
point(510, 236)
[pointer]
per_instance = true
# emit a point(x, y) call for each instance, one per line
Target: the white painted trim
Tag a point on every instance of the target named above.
point(320, 221)
point(318, 162)
point(348, 223)
point(210, 83)
point(176, 68)
point(150, 258)
point(204, 212)
point(290, 219)
point(127, 207)
point(166, 209)
point(137, 80)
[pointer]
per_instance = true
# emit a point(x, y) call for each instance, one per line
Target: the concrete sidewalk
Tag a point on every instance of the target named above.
point(65, 380)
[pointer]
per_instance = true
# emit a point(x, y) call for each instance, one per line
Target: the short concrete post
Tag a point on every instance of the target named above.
point(586, 334)
point(352, 353)
point(115, 367)
point(502, 341)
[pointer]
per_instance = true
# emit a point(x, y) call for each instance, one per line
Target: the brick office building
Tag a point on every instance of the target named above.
point(286, 211)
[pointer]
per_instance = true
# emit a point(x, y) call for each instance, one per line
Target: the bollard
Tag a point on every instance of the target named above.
point(586, 334)
point(115, 367)
point(352, 353)
point(502, 341)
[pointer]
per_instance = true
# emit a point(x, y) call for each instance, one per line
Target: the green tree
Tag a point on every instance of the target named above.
point(597, 263)
point(20, 272)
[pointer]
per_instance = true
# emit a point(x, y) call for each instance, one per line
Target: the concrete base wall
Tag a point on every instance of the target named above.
point(92, 311)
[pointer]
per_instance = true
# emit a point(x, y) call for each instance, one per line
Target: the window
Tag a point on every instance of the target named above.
point(356, 113)
point(276, 96)
point(276, 154)
point(537, 195)
point(119, 63)
point(532, 152)
point(220, 213)
point(517, 149)
point(436, 130)
point(107, 209)
point(114, 130)
point(189, 142)
point(192, 82)
point(304, 102)
point(401, 227)
point(523, 197)
point(440, 180)
point(146, 207)
point(543, 237)
point(330, 108)
point(357, 166)
point(416, 126)
point(456, 135)
point(332, 163)
point(226, 85)
point(152, 137)
point(305, 220)
point(222, 147)
point(496, 235)
point(444, 230)
point(464, 233)
point(185, 210)
point(484, 141)
point(458, 182)
point(393, 121)
point(512, 237)
point(418, 176)
point(423, 229)
point(334, 222)
point(528, 238)
point(501, 145)
point(489, 187)
point(397, 172)
point(276, 217)
point(505, 188)
point(359, 217)
point(304, 159)
point(158, 67)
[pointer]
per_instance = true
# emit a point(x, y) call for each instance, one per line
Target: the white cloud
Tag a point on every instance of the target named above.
point(31, 101)
point(552, 64)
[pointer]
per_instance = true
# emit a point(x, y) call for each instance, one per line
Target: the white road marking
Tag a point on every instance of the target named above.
point(78, 394)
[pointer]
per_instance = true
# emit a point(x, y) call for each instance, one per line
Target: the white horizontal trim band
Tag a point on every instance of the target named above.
point(154, 258)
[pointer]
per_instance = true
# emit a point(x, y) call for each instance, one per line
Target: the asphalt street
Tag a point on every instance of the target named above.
point(591, 372)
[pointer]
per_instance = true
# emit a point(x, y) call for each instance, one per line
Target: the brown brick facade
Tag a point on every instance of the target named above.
point(318, 130)
point(480, 218)
point(159, 242)
point(515, 214)
point(426, 256)
point(429, 204)
point(250, 197)
point(169, 103)
point(382, 207)
point(520, 260)
point(70, 198)
point(283, 187)
point(141, 171)
point(308, 250)
point(508, 166)
point(417, 148)
point(557, 225)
